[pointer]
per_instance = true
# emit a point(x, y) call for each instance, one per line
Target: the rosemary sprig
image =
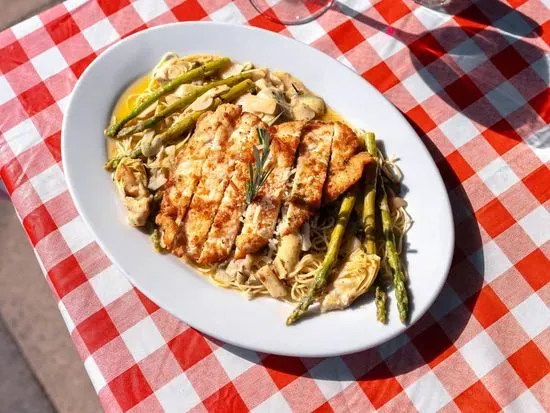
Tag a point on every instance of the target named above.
point(258, 173)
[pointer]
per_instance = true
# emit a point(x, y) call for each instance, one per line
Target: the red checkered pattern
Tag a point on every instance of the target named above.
point(473, 83)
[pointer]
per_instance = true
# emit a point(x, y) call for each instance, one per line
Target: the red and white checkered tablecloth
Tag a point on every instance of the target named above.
point(473, 82)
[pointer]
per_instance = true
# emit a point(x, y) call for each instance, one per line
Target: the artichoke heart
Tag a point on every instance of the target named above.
point(288, 255)
point(352, 280)
point(131, 181)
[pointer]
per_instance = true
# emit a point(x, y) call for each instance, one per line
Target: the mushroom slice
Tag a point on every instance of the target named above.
point(150, 144)
point(307, 107)
point(232, 70)
point(353, 279)
point(258, 104)
point(206, 100)
point(171, 67)
point(201, 103)
point(269, 279)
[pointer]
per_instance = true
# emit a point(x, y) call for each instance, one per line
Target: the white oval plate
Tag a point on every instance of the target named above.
point(258, 324)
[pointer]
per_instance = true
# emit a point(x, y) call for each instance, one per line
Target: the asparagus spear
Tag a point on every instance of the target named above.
point(181, 103)
point(369, 203)
point(369, 224)
point(321, 277)
point(380, 300)
point(186, 124)
point(393, 257)
point(187, 77)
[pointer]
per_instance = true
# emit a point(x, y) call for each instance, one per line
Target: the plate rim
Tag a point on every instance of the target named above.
point(114, 261)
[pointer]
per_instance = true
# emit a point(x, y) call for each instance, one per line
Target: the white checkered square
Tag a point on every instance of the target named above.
point(276, 403)
point(22, 136)
point(524, 403)
point(533, 315)
point(307, 33)
point(49, 63)
point(235, 360)
point(143, 338)
point(100, 34)
point(73, 4)
point(498, 176)
point(421, 85)
point(66, 316)
point(482, 354)
point(332, 367)
point(344, 60)
point(109, 285)
point(49, 183)
point(229, 13)
point(537, 225)
point(148, 9)
point(6, 92)
point(76, 234)
point(539, 142)
point(177, 395)
point(428, 384)
point(459, 130)
point(96, 377)
point(505, 98)
point(431, 18)
point(385, 45)
point(358, 6)
point(468, 55)
point(27, 26)
point(490, 261)
point(63, 103)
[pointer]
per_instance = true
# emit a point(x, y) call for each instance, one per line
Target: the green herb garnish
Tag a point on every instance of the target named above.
point(258, 173)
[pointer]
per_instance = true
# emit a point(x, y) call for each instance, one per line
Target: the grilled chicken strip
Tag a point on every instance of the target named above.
point(227, 221)
point(185, 176)
point(311, 173)
point(261, 215)
point(346, 162)
point(215, 175)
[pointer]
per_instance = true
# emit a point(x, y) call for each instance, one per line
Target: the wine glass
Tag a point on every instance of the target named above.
point(292, 12)
point(433, 4)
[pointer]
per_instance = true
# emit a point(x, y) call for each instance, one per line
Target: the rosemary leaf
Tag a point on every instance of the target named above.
point(258, 173)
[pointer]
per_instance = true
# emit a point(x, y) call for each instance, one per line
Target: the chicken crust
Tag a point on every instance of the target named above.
point(311, 173)
point(261, 215)
point(347, 162)
point(215, 174)
point(201, 214)
point(227, 223)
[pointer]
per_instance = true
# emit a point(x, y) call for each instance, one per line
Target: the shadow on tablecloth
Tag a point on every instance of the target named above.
point(431, 339)
point(468, 65)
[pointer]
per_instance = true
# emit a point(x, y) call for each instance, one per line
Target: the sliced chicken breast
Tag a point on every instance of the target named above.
point(261, 215)
point(185, 176)
point(311, 173)
point(215, 175)
point(227, 221)
point(347, 162)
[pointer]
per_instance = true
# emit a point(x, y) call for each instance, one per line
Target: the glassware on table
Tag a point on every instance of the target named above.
point(292, 12)
point(433, 4)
